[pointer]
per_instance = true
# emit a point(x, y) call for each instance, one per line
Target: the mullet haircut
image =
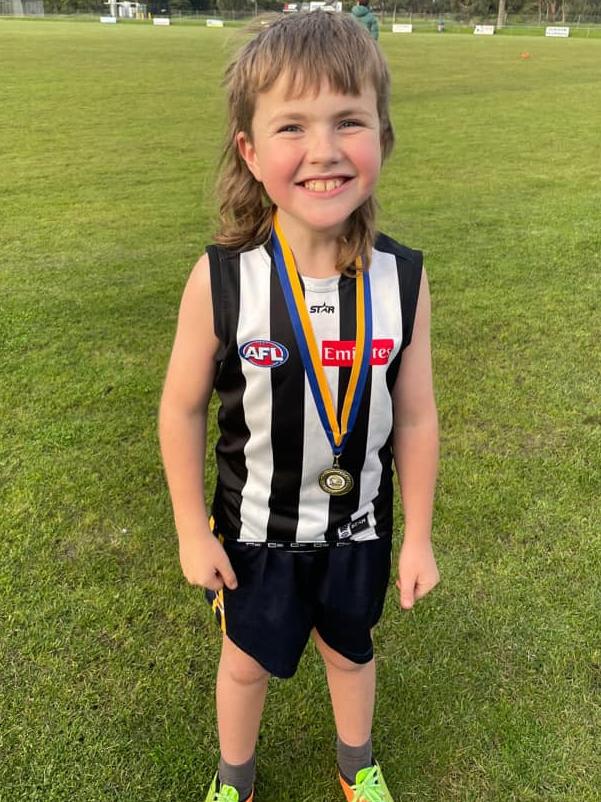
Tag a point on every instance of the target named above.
point(309, 48)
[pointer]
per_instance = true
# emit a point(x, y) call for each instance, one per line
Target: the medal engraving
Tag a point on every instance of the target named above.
point(336, 481)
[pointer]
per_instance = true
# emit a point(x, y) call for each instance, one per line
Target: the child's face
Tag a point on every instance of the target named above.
point(318, 157)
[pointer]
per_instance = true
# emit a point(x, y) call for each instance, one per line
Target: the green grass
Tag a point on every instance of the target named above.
point(489, 689)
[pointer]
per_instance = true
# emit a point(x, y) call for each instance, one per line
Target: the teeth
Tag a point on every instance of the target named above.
point(324, 186)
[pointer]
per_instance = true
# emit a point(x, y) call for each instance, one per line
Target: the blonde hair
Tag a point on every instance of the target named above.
point(308, 47)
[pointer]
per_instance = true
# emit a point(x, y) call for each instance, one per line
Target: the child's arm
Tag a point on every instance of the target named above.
point(415, 444)
point(182, 432)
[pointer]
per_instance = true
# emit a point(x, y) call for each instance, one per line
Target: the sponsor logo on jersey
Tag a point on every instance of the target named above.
point(352, 528)
point(323, 308)
point(264, 353)
point(340, 353)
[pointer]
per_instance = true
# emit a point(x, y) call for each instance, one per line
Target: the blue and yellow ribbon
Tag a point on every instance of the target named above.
point(337, 433)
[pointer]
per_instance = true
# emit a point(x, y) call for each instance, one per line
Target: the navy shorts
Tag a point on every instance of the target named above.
point(282, 595)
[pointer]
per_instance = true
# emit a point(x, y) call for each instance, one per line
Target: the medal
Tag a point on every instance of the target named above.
point(335, 480)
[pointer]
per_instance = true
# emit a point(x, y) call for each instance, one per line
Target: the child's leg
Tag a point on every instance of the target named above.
point(352, 691)
point(241, 689)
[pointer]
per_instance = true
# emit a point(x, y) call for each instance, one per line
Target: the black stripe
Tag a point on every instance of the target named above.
point(217, 293)
point(392, 371)
point(383, 500)
point(353, 456)
point(230, 385)
point(409, 273)
point(287, 423)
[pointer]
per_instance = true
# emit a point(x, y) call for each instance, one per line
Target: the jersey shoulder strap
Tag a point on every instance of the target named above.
point(409, 266)
point(225, 291)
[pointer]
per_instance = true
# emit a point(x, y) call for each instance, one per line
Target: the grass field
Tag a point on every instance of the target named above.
point(490, 689)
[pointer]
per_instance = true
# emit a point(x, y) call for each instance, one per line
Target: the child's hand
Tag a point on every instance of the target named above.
point(418, 573)
point(204, 562)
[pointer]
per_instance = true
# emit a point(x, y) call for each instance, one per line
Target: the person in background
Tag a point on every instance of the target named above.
point(363, 14)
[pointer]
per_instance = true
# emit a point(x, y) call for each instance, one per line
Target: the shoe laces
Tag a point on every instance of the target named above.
point(226, 793)
point(368, 788)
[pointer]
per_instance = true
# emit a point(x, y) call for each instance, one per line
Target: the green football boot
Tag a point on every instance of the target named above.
point(224, 793)
point(369, 786)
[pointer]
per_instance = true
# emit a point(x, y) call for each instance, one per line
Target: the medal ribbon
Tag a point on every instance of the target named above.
point(305, 338)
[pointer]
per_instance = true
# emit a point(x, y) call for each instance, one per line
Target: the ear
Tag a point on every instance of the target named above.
point(248, 153)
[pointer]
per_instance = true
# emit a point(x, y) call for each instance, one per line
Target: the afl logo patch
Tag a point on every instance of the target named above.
point(264, 353)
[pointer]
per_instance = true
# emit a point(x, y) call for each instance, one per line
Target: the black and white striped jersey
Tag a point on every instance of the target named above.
point(272, 446)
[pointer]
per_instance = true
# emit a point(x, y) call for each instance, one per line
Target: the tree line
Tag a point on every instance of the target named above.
point(540, 10)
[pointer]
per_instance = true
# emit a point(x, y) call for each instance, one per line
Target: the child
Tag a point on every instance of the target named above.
point(299, 318)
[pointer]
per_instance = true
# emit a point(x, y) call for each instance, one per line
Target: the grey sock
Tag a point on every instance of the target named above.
point(242, 777)
point(352, 759)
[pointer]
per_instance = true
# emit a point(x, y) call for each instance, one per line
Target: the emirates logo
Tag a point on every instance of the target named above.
point(340, 353)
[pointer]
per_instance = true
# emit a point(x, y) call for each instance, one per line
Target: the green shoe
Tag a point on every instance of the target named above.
point(369, 786)
point(224, 793)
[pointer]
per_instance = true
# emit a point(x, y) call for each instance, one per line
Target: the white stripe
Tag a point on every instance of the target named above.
point(387, 322)
point(254, 323)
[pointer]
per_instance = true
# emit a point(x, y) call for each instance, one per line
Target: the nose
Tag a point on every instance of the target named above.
point(324, 147)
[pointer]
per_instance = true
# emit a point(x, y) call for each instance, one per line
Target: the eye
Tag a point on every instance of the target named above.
point(350, 124)
point(292, 128)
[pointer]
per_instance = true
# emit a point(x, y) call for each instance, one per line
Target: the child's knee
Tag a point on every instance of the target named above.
point(341, 663)
point(240, 667)
point(247, 673)
point(334, 659)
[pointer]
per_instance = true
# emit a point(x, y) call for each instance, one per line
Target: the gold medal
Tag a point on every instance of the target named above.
point(335, 480)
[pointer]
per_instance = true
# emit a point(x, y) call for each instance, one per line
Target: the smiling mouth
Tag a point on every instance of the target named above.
point(323, 184)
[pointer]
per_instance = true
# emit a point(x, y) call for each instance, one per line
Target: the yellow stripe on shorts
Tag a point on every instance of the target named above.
point(220, 538)
point(218, 602)
point(219, 609)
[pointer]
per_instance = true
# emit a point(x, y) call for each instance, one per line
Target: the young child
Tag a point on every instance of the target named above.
point(314, 332)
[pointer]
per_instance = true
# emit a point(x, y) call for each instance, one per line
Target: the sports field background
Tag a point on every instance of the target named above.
point(490, 689)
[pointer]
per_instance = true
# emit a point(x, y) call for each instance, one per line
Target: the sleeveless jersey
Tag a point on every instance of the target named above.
point(272, 446)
